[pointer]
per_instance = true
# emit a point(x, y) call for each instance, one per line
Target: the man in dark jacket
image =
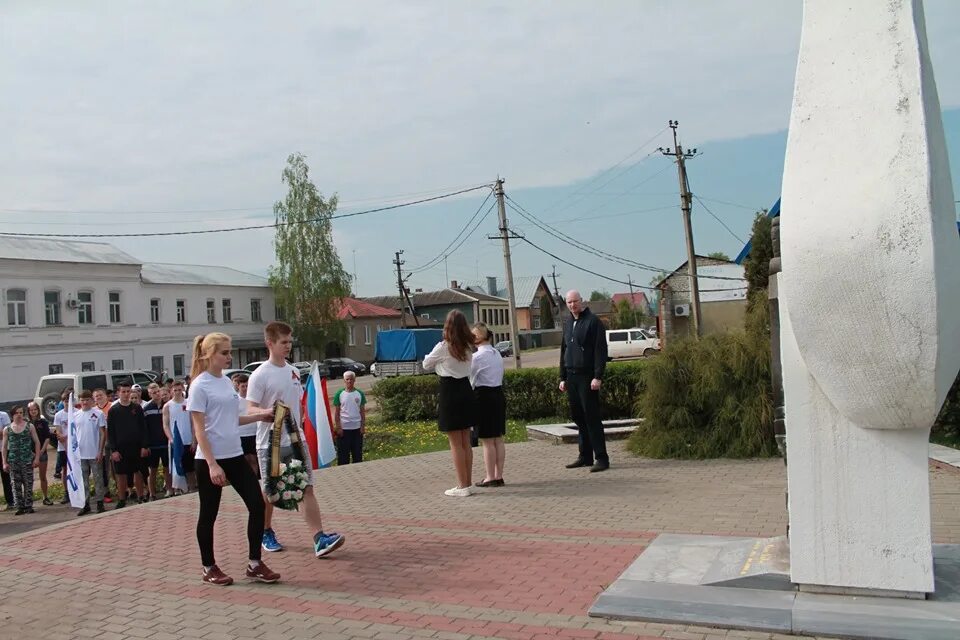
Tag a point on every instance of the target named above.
point(583, 359)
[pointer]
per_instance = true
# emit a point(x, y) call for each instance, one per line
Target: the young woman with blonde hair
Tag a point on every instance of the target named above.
point(486, 376)
point(214, 412)
point(451, 360)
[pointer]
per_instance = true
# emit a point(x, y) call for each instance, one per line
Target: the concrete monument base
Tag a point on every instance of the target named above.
point(744, 583)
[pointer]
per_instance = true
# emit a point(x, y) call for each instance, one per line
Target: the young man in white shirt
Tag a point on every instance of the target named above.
point(91, 438)
point(350, 413)
point(278, 381)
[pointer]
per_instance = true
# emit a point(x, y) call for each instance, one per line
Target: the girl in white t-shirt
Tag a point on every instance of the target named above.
point(215, 414)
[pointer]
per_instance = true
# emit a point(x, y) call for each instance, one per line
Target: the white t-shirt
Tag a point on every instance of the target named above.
point(268, 385)
point(4, 419)
point(249, 429)
point(349, 403)
point(179, 417)
point(486, 370)
point(61, 423)
point(217, 400)
point(89, 423)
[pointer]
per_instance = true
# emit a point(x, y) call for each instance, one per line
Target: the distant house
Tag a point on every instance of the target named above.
point(533, 299)
point(723, 298)
point(638, 300)
point(364, 321)
point(435, 305)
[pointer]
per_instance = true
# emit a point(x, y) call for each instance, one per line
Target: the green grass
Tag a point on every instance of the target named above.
point(394, 439)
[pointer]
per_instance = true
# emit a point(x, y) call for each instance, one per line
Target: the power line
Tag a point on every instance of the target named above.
point(729, 230)
point(247, 228)
point(443, 254)
point(462, 240)
point(732, 204)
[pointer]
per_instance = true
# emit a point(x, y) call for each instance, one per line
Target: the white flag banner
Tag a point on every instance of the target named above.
point(178, 477)
point(73, 470)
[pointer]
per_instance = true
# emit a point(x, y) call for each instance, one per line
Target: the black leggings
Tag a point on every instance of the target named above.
point(244, 482)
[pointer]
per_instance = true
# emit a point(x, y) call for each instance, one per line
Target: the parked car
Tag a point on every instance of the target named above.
point(250, 368)
point(232, 372)
point(505, 347)
point(50, 387)
point(631, 343)
point(303, 367)
point(339, 366)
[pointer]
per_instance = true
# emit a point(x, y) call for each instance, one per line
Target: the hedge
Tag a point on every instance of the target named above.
point(531, 393)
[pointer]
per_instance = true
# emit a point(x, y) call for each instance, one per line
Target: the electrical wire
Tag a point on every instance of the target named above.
point(443, 254)
point(463, 240)
point(732, 204)
point(724, 224)
point(247, 228)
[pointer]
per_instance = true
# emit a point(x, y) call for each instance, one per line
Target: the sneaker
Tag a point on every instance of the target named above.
point(48, 502)
point(84, 511)
point(328, 543)
point(262, 573)
point(100, 507)
point(66, 500)
point(459, 492)
point(57, 475)
point(120, 504)
point(19, 512)
point(270, 542)
point(217, 577)
point(168, 494)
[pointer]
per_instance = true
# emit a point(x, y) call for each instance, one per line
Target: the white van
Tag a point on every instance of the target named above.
point(50, 387)
point(631, 343)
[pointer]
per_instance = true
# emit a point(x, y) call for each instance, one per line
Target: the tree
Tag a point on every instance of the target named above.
point(602, 294)
point(546, 313)
point(308, 279)
point(719, 255)
point(626, 316)
point(756, 265)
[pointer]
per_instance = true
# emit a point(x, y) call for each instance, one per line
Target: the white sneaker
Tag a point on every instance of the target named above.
point(458, 492)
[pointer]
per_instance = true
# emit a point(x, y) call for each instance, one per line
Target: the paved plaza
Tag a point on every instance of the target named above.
point(520, 562)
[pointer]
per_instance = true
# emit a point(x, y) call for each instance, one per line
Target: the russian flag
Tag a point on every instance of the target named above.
point(317, 423)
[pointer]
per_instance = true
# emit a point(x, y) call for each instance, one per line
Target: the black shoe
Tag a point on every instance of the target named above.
point(486, 483)
point(19, 512)
point(66, 500)
point(30, 510)
point(578, 463)
point(57, 475)
point(499, 483)
point(599, 466)
point(100, 507)
point(48, 502)
point(84, 511)
point(120, 504)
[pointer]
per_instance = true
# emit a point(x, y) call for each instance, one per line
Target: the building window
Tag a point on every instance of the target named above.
point(178, 365)
point(156, 363)
point(87, 366)
point(351, 341)
point(425, 315)
point(51, 307)
point(181, 311)
point(255, 315)
point(84, 307)
point(536, 322)
point(366, 334)
point(227, 316)
point(155, 310)
point(116, 365)
point(17, 307)
point(211, 311)
point(115, 307)
point(54, 369)
point(279, 313)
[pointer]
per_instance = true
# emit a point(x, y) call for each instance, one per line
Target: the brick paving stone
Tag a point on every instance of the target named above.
point(522, 561)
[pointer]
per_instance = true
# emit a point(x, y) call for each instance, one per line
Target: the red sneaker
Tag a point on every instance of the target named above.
point(262, 574)
point(107, 499)
point(217, 577)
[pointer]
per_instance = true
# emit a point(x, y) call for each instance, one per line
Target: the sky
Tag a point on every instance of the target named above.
point(136, 117)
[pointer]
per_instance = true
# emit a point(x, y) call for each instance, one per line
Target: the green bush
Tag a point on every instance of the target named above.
point(531, 393)
point(707, 399)
point(947, 428)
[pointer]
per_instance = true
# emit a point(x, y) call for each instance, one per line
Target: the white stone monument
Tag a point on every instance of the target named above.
point(869, 296)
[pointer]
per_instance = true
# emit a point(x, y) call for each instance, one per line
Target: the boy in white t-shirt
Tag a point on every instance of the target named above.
point(351, 420)
point(91, 438)
point(278, 381)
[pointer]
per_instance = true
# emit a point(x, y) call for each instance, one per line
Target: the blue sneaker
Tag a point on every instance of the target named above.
point(327, 543)
point(270, 542)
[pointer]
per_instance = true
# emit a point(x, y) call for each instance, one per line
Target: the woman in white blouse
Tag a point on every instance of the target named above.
point(486, 376)
point(457, 411)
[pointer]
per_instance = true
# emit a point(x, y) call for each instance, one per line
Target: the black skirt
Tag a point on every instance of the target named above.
point(457, 408)
point(491, 412)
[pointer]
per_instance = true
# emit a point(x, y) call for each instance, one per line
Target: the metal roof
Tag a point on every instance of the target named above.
point(353, 308)
point(48, 250)
point(433, 298)
point(159, 273)
point(524, 289)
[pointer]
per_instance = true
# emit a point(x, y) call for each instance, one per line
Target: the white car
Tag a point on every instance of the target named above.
point(631, 343)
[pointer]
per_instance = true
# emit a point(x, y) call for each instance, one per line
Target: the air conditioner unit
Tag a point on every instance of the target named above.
point(681, 310)
point(71, 303)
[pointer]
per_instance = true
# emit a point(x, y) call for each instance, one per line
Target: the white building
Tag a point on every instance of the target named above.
point(71, 306)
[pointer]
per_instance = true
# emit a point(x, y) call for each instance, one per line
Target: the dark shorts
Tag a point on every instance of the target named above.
point(249, 444)
point(130, 461)
point(43, 456)
point(187, 460)
point(158, 455)
point(62, 459)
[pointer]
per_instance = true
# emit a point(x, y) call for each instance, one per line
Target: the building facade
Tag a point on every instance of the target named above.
point(723, 299)
point(364, 321)
point(84, 306)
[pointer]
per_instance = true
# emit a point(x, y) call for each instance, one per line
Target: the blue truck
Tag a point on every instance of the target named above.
point(400, 352)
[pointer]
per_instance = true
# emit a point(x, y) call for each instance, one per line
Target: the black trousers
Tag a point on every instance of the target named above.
point(244, 482)
point(585, 411)
point(350, 444)
point(7, 487)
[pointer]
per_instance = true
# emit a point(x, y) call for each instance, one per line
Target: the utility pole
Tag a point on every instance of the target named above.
point(556, 289)
point(630, 284)
point(403, 292)
point(508, 266)
point(446, 274)
point(686, 197)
